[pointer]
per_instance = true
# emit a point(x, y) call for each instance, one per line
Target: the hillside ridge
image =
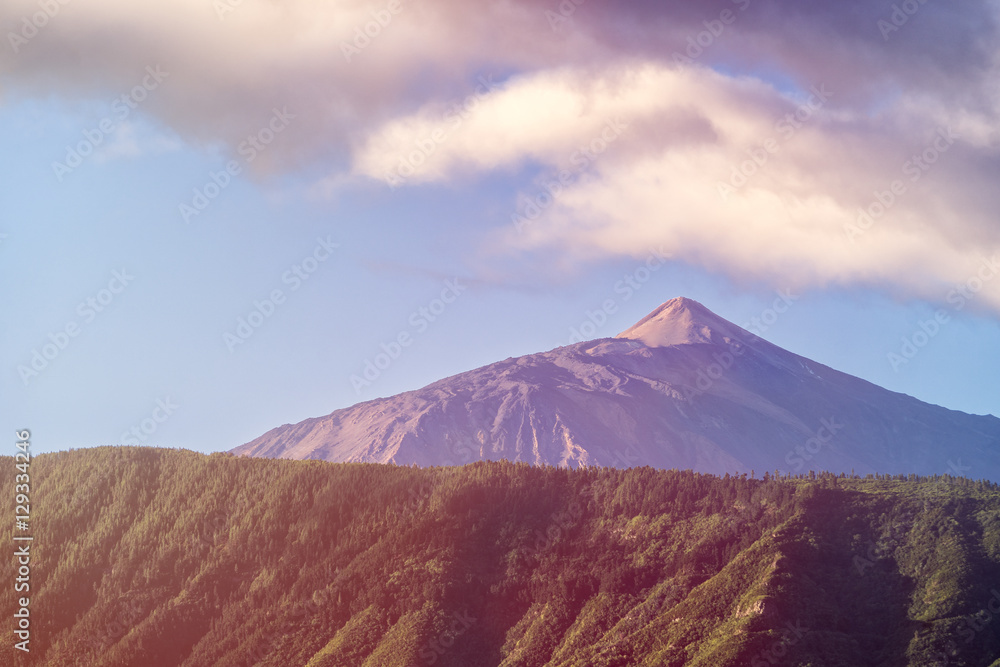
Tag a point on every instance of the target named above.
point(177, 558)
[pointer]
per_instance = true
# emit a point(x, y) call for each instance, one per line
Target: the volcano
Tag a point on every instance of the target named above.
point(683, 388)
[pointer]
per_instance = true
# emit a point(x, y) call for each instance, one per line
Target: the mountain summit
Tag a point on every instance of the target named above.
point(682, 321)
point(682, 388)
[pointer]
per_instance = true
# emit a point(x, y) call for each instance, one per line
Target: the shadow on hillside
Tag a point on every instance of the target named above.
point(840, 587)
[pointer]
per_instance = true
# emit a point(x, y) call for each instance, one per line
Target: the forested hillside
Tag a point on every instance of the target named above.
point(162, 557)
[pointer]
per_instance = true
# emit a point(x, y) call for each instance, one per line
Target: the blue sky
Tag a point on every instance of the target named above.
point(150, 354)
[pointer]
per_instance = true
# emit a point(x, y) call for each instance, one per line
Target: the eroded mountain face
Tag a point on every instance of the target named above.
point(683, 388)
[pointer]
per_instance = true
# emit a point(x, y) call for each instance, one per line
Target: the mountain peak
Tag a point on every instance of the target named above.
point(704, 395)
point(681, 321)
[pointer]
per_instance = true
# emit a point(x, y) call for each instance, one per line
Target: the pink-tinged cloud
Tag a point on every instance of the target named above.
point(904, 115)
point(724, 172)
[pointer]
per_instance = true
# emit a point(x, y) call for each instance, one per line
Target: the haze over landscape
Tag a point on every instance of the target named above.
point(570, 165)
point(562, 333)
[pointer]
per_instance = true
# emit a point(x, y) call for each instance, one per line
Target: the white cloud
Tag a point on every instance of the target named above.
point(131, 140)
point(796, 176)
point(657, 182)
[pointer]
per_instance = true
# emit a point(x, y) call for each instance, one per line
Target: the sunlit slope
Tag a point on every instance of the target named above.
point(161, 557)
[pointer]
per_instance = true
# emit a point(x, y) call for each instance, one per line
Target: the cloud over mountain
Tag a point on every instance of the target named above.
point(834, 143)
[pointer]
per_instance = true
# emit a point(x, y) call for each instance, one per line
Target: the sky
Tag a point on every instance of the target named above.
point(220, 216)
